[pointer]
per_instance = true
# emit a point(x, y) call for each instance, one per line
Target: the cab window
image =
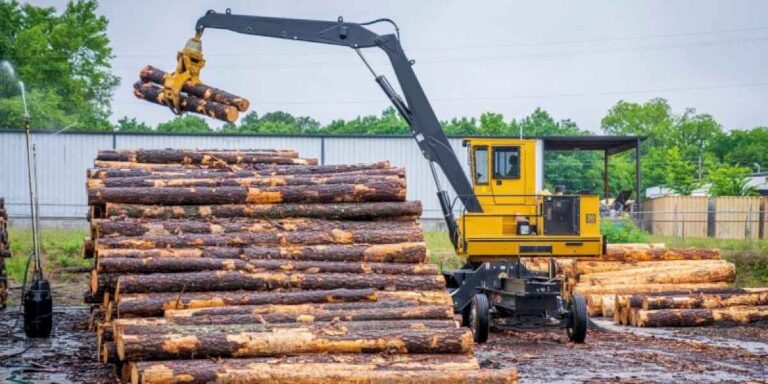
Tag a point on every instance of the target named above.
point(481, 165)
point(506, 162)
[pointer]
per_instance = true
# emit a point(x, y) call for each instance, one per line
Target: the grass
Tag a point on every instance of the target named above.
point(61, 248)
point(441, 250)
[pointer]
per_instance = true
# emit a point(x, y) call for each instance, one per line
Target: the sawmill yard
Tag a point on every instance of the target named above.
point(720, 353)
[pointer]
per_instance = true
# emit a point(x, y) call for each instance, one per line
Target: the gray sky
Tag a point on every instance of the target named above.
point(574, 59)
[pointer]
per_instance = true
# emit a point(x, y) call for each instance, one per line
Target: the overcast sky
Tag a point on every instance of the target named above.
point(573, 58)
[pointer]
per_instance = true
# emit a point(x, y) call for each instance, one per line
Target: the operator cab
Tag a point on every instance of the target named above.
point(520, 217)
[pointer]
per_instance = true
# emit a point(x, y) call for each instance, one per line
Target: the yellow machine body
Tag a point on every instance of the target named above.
point(507, 176)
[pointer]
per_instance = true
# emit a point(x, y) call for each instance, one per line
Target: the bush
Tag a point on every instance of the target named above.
point(624, 231)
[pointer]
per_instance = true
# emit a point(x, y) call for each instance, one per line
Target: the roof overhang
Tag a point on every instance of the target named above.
point(609, 144)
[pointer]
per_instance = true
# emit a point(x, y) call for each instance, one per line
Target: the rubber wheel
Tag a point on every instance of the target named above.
point(478, 317)
point(577, 332)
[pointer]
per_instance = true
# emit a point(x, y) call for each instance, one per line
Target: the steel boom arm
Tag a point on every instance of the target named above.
point(416, 109)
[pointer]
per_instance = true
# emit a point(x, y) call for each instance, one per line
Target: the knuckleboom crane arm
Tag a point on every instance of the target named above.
point(416, 109)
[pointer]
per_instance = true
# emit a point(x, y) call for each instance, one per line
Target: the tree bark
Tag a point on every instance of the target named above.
point(221, 180)
point(108, 353)
point(237, 280)
point(185, 264)
point(142, 227)
point(674, 275)
point(323, 193)
point(291, 341)
point(650, 252)
point(150, 74)
point(324, 369)
point(262, 239)
point(165, 171)
point(155, 304)
point(154, 94)
point(357, 211)
point(101, 283)
point(413, 252)
point(705, 301)
point(700, 316)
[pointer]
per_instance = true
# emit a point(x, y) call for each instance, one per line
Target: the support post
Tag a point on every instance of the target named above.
point(638, 198)
point(606, 189)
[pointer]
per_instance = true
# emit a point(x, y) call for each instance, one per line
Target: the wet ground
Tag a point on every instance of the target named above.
point(67, 357)
point(612, 354)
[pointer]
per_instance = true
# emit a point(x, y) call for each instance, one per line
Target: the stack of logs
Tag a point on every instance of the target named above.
point(258, 266)
point(5, 252)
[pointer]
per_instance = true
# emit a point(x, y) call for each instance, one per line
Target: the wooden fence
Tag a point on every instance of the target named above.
point(694, 216)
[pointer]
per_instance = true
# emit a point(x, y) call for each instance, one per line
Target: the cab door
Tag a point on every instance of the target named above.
point(510, 185)
point(480, 165)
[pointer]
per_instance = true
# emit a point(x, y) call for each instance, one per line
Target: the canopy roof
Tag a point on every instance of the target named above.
point(610, 144)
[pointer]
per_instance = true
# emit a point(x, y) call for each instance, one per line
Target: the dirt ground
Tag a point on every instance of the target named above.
point(612, 354)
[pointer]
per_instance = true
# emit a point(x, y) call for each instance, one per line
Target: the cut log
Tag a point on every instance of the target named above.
point(226, 180)
point(185, 264)
point(154, 94)
point(291, 341)
point(207, 158)
point(143, 227)
point(108, 353)
point(102, 283)
point(150, 74)
point(324, 369)
point(692, 275)
point(154, 329)
point(624, 289)
point(237, 280)
point(414, 252)
point(700, 316)
point(155, 304)
point(357, 211)
point(88, 248)
point(634, 252)
point(307, 313)
point(371, 191)
point(333, 236)
point(588, 267)
point(705, 301)
point(165, 171)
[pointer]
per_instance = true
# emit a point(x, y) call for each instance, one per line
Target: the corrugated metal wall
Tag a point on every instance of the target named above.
point(62, 160)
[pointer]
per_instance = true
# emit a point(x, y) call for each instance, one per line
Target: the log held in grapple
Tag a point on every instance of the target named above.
point(150, 74)
point(154, 94)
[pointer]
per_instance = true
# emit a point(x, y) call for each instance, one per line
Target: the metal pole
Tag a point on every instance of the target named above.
point(638, 180)
point(605, 176)
point(32, 189)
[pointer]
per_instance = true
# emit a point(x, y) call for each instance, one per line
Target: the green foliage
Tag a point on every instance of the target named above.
point(61, 248)
point(745, 147)
point(624, 231)
point(441, 250)
point(132, 125)
point(680, 174)
point(727, 180)
point(185, 124)
point(63, 58)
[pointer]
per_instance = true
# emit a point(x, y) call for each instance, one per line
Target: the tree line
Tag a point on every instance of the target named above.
point(64, 60)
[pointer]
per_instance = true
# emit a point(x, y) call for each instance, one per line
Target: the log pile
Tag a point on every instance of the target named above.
point(258, 266)
point(5, 252)
point(195, 98)
point(639, 269)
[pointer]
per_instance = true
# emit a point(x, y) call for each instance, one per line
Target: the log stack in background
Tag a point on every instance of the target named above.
point(5, 252)
point(258, 266)
point(630, 269)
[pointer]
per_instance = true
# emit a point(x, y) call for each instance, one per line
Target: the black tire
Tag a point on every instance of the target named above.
point(577, 332)
point(480, 313)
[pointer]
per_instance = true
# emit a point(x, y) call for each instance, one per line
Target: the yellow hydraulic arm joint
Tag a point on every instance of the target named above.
point(189, 62)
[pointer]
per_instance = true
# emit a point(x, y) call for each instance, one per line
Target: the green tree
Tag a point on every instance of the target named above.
point(64, 54)
point(727, 180)
point(185, 124)
point(745, 147)
point(680, 173)
point(461, 127)
point(132, 125)
point(492, 124)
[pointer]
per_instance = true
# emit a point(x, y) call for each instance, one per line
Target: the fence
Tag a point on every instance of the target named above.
point(718, 217)
point(63, 159)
